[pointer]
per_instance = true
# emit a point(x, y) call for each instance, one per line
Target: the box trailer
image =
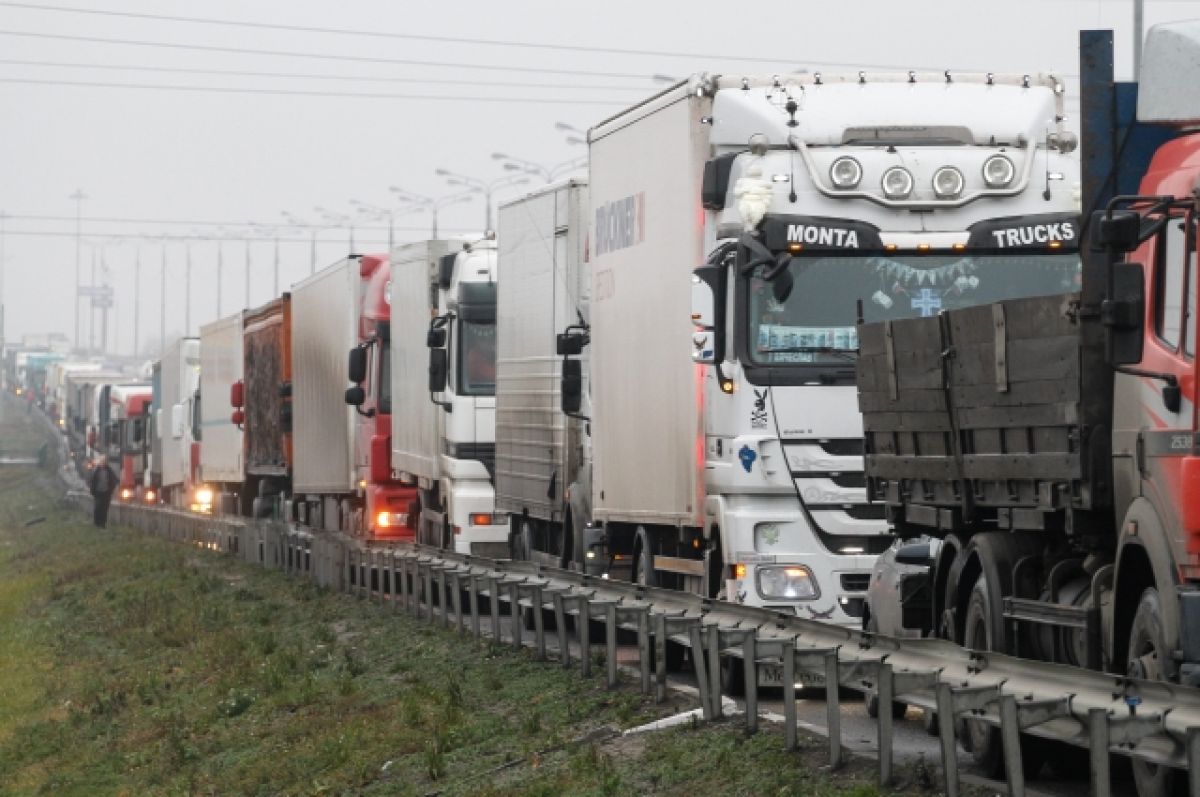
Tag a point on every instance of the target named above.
point(179, 383)
point(540, 451)
point(267, 403)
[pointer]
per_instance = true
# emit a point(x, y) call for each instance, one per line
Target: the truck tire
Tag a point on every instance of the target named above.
point(899, 708)
point(984, 740)
point(1149, 659)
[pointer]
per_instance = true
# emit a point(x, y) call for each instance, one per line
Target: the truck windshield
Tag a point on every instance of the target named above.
point(477, 359)
point(816, 323)
point(134, 429)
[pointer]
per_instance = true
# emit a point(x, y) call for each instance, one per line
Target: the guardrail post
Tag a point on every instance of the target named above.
point(443, 597)
point(560, 623)
point(494, 605)
point(583, 627)
point(1193, 760)
point(945, 710)
point(473, 583)
point(643, 631)
point(660, 658)
point(884, 688)
point(516, 621)
point(833, 709)
point(1098, 751)
point(539, 622)
point(1010, 734)
point(610, 640)
point(750, 671)
point(788, 657)
point(714, 671)
point(696, 635)
point(456, 590)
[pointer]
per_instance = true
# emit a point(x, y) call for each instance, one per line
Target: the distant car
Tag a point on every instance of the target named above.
point(899, 597)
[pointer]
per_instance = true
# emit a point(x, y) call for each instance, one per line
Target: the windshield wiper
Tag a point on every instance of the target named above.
point(846, 354)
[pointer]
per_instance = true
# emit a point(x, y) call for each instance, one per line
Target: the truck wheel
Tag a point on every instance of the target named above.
point(981, 739)
point(1150, 660)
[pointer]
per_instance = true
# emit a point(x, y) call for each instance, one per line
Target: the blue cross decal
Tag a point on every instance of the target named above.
point(927, 302)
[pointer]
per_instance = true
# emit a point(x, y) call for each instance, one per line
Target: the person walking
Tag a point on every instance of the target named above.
point(103, 483)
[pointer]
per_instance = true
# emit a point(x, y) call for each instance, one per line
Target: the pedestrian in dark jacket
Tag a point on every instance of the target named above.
point(104, 481)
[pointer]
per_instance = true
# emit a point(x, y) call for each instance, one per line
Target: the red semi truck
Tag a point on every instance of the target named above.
point(1052, 444)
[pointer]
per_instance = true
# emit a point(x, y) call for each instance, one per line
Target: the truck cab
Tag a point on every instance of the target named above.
point(459, 511)
point(388, 505)
point(836, 199)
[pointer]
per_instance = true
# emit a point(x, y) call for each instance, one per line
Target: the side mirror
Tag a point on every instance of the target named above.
point(355, 396)
point(1120, 232)
point(435, 338)
point(1123, 312)
point(572, 386)
point(237, 394)
point(446, 270)
point(438, 367)
point(708, 310)
point(702, 301)
point(358, 365)
point(917, 553)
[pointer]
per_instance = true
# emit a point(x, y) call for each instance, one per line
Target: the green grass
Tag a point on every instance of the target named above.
point(129, 665)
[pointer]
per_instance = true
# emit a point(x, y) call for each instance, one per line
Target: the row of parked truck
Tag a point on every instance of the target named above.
point(661, 371)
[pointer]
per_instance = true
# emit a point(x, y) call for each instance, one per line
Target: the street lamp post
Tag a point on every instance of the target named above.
point(431, 203)
point(548, 173)
point(296, 221)
point(485, 187)
point(336, 219)
point(78, 197)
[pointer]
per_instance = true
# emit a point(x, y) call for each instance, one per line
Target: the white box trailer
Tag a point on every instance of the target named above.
point(325, 310)
point(545, 289)
point(647, 237)
point(180, 379)
point(221, 447)
point(416, 441)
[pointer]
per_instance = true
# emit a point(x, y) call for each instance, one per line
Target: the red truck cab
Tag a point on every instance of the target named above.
point(387, 504)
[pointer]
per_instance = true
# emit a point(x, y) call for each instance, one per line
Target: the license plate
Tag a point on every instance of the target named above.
point(772, 675)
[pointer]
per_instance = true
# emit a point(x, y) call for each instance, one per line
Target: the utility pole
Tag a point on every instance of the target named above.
point(78, 196)
point(92, 307)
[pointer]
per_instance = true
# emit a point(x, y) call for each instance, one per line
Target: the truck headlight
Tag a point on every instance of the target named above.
point(204, 496)
point(897, 183)
point(947, 182)
point(845, 172)
point(998, 171)
point(794, 582)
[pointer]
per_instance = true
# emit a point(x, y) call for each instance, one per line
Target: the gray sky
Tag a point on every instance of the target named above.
point(144, 156)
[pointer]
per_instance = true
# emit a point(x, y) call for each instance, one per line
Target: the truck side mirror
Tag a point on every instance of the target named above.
point(1120, 232)
point(435, 338)
point(446, 270)
point(1122, 314)
point(702, 302)
point(708, 311)
point(438, 367)
point(572, 386)
point(355, 396)
point(358, 365)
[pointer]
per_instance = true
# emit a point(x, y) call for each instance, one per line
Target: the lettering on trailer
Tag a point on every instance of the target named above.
point(621, 223)
point(816, 233)
point(1026, 232)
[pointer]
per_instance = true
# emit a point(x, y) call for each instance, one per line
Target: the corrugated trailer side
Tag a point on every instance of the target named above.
point(416, 418)
point(646, 238)
point(324, 312)
point(544, 290)
point(221, 457)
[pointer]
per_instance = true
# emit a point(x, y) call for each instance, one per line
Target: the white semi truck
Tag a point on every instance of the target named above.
point(739, 228)
point(177, 419)
point(222, 458)
point(541, 453)
point(443, 361)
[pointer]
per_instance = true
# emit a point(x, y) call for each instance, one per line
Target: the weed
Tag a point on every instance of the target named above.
point(237, 703)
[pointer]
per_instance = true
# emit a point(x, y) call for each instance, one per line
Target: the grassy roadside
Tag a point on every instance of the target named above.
point(129, 665)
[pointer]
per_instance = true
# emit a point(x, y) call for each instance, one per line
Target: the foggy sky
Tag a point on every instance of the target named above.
point(197, 156)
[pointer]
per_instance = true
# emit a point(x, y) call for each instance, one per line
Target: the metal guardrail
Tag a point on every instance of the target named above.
point(1156, 722)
